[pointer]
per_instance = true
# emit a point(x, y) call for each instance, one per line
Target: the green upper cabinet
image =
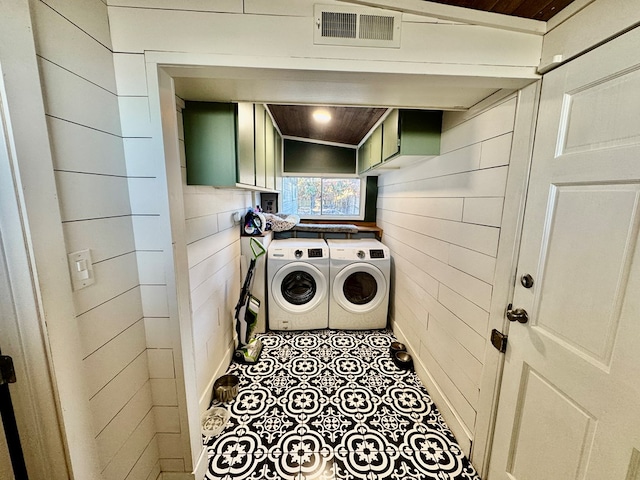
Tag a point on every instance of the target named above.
point(390, 143)
point(411, 133)
point(278, 159)
point(210, 143)
point(404, 136)
point(270, 154)
point(261, 173)
point(375, 151)
point(246, 144)
point(226, 145)
point(363, 156)
point(370, 152)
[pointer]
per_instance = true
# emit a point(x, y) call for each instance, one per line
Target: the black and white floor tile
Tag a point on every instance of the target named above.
point(332, 405)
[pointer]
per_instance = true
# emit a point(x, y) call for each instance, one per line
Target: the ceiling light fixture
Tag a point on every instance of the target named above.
point(322, 116)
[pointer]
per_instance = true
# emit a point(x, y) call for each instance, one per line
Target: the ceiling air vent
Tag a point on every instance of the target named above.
point(354, 26)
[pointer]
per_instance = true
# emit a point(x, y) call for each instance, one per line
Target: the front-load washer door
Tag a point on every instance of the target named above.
point(299, 287)
point(359, 288)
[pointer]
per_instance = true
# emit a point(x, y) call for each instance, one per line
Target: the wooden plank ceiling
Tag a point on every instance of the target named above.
point(348, 125)
point(535, 9)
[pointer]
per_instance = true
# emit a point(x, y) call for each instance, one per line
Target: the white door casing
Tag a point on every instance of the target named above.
point(569, 405)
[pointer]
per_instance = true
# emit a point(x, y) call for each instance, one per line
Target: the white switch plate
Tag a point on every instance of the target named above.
point(81, 269)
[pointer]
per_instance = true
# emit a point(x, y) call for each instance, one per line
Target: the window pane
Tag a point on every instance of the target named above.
point(301, 195)
point(332, 197)
point(341, 196)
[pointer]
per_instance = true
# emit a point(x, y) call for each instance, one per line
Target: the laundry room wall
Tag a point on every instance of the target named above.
point(441, 219)
point(76, 66)
point(213, 252)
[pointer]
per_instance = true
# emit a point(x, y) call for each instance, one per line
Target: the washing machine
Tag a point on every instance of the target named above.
point(298, 284)
point(359, 282)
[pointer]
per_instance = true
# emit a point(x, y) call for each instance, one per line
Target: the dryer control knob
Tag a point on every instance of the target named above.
point(361, 254)
point(298, 253)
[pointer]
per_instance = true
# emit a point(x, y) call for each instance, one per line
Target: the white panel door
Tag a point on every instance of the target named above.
point(570, 399)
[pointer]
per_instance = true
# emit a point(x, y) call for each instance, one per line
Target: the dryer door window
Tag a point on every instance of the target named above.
point(359, 287)
point(298, 287)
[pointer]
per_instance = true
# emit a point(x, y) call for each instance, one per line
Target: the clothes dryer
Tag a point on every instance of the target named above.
point(298, 284)
point(359, 283)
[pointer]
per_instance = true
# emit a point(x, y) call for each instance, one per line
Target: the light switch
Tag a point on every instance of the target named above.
point(81, 269)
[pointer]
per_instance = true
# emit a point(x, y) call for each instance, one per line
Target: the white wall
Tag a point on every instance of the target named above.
point(441, 218)
point(81, 104)
point(213, 253)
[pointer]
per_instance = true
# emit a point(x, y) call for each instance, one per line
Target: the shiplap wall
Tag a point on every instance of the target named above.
point(147, 194)
point(81, 102)
point(213, 252)
point(441, 218)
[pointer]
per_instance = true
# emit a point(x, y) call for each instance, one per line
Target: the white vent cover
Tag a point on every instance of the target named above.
point(355, 26)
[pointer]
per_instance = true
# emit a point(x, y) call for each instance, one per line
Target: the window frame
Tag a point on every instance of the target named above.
point(363, 196)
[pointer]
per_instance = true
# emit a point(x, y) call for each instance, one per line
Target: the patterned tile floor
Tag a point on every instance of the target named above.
point(331, 405)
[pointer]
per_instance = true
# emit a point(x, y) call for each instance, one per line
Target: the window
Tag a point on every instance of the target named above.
point(322, 197)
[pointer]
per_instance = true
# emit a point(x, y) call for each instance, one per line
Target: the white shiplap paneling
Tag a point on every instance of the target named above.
point(107, 237)
point(109, 360)
point(85, 196)
point(445, 208)
point(106, 404)
point(90, 16)
point(161, 363)
point(102, 323)
point(113, 277)
point(163, 391)
point(98, 108)
point(131, 75)
point(483, 211)
point(480, 183)
point(493, 122)
point(474, 237)
point(118, 430)
point(77, 148)
point(130, 452)
point(444, 267)
point(140, 157)
point(62, 43)
point(78, 79)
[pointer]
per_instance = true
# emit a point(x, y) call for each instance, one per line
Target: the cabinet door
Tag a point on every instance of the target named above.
point(246, 144)
point(210, 143)
point(390, 135)
point(375, 151)
point(364, 156)
point(261, 175)
point(278, 162)
point(270, 154)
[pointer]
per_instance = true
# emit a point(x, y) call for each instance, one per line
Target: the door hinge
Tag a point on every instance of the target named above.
point(499, 340)
point(7, 372)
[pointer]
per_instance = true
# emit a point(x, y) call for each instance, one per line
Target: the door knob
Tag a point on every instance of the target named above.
point(517, 315)
point(526, 280)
